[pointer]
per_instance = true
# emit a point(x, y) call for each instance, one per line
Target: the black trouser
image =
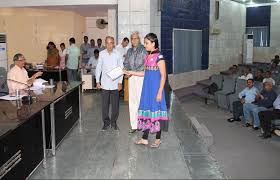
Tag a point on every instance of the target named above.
point(110, 96)
point(265, 119)
point(237, 109)
point(146, 134)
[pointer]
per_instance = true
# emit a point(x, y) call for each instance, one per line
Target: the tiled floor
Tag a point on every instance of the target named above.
point(88, 153)
point(240, 152)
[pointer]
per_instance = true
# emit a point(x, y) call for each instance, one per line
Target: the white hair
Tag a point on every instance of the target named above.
point(135, 33)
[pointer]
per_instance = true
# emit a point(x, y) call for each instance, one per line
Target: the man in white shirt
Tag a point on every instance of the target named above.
point(84, 50)
point(92, 48)
point(123, 47)
point(17, 77)
point(91, 65)
point(108, 60)
point(247, 74)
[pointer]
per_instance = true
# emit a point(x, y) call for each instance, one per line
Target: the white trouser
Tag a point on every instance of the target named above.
point(134, 90)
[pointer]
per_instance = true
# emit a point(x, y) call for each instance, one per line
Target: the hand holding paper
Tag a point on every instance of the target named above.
point(115, 73)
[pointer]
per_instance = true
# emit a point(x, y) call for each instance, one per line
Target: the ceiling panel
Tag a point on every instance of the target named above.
point(248, 2)
point(83, 10)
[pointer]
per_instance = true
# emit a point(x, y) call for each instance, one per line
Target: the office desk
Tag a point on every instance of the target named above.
point(27, 130)
point(63, 112)
point(22, 138)
point(54, 74)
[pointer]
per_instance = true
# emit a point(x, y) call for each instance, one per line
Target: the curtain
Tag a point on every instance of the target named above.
point(261, 35)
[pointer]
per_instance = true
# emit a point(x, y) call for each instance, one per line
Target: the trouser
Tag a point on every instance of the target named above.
point(146, 134)
point(265, 119)
point(93, 81)
point(251, 112)
point(110, 96)
point(72, 74)
point(134, 90)
point(237, 109)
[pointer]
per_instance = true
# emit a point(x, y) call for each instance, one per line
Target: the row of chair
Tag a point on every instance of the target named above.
point(228, 89)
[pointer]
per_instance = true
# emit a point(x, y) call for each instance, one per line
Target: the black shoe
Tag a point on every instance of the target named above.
point(105, 128)
point(230, 120)
point(131, 131)
point(248, 125)
point(256, 128)
point(238, 119)
point(115, 127)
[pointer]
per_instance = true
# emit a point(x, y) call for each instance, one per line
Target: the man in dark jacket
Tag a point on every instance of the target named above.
point(264, 100)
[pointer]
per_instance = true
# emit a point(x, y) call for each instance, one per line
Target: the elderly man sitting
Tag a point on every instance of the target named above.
point(264, 100)
point(267, 116)
point(17, 77)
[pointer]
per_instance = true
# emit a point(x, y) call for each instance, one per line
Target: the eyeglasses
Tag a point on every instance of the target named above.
point(21, 59)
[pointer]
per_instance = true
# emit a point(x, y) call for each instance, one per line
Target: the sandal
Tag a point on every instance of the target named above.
point(156, 145)
point(141, 142)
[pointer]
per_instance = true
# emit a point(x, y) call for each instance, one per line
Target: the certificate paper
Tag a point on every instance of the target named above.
point(115, 73)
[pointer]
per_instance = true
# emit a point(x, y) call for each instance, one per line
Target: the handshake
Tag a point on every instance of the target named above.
point(127, 73)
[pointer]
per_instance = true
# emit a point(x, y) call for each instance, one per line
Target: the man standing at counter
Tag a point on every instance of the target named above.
point(108, 60)
point(84, 50)
point(17, 77)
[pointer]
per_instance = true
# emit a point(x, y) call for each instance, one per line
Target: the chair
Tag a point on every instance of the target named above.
point(258, 85)
point(276, 78)
point(3, 82)
point(240, 85)
point(221, 97)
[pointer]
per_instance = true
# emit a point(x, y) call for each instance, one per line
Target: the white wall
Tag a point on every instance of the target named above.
point(133, 16)
point(92, 31)
point(155, 18)
point(225, 49)
point(265, 54)
point(24, 3)
point(275, 26)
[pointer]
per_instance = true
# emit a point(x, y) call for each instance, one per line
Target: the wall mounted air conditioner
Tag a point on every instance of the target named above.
point(3, 51)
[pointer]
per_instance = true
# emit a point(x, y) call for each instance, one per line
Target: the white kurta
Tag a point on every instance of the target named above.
point(134, 89)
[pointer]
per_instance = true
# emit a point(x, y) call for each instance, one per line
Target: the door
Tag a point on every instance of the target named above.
point(187, 50)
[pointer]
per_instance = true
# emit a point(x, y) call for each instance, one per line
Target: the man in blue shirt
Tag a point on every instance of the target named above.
point(108, 60)
point(267, 116)
point(263, 102)
point(248, 95)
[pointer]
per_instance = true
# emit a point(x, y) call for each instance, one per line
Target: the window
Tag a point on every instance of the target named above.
point(261, 35)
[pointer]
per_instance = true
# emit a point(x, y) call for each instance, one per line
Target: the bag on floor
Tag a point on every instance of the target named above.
point(212, 88)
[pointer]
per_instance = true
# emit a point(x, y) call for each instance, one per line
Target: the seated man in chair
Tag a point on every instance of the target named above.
point(17, 77)
point(267, 116)
point(248, 95)
point(264, 100)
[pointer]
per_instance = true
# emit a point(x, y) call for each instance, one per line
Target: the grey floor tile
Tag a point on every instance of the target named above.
point(88, 153)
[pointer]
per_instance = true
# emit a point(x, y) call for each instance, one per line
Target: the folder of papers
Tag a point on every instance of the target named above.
point(115, 73)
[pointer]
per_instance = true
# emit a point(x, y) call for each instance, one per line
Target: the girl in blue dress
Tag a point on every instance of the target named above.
point(152, 112)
